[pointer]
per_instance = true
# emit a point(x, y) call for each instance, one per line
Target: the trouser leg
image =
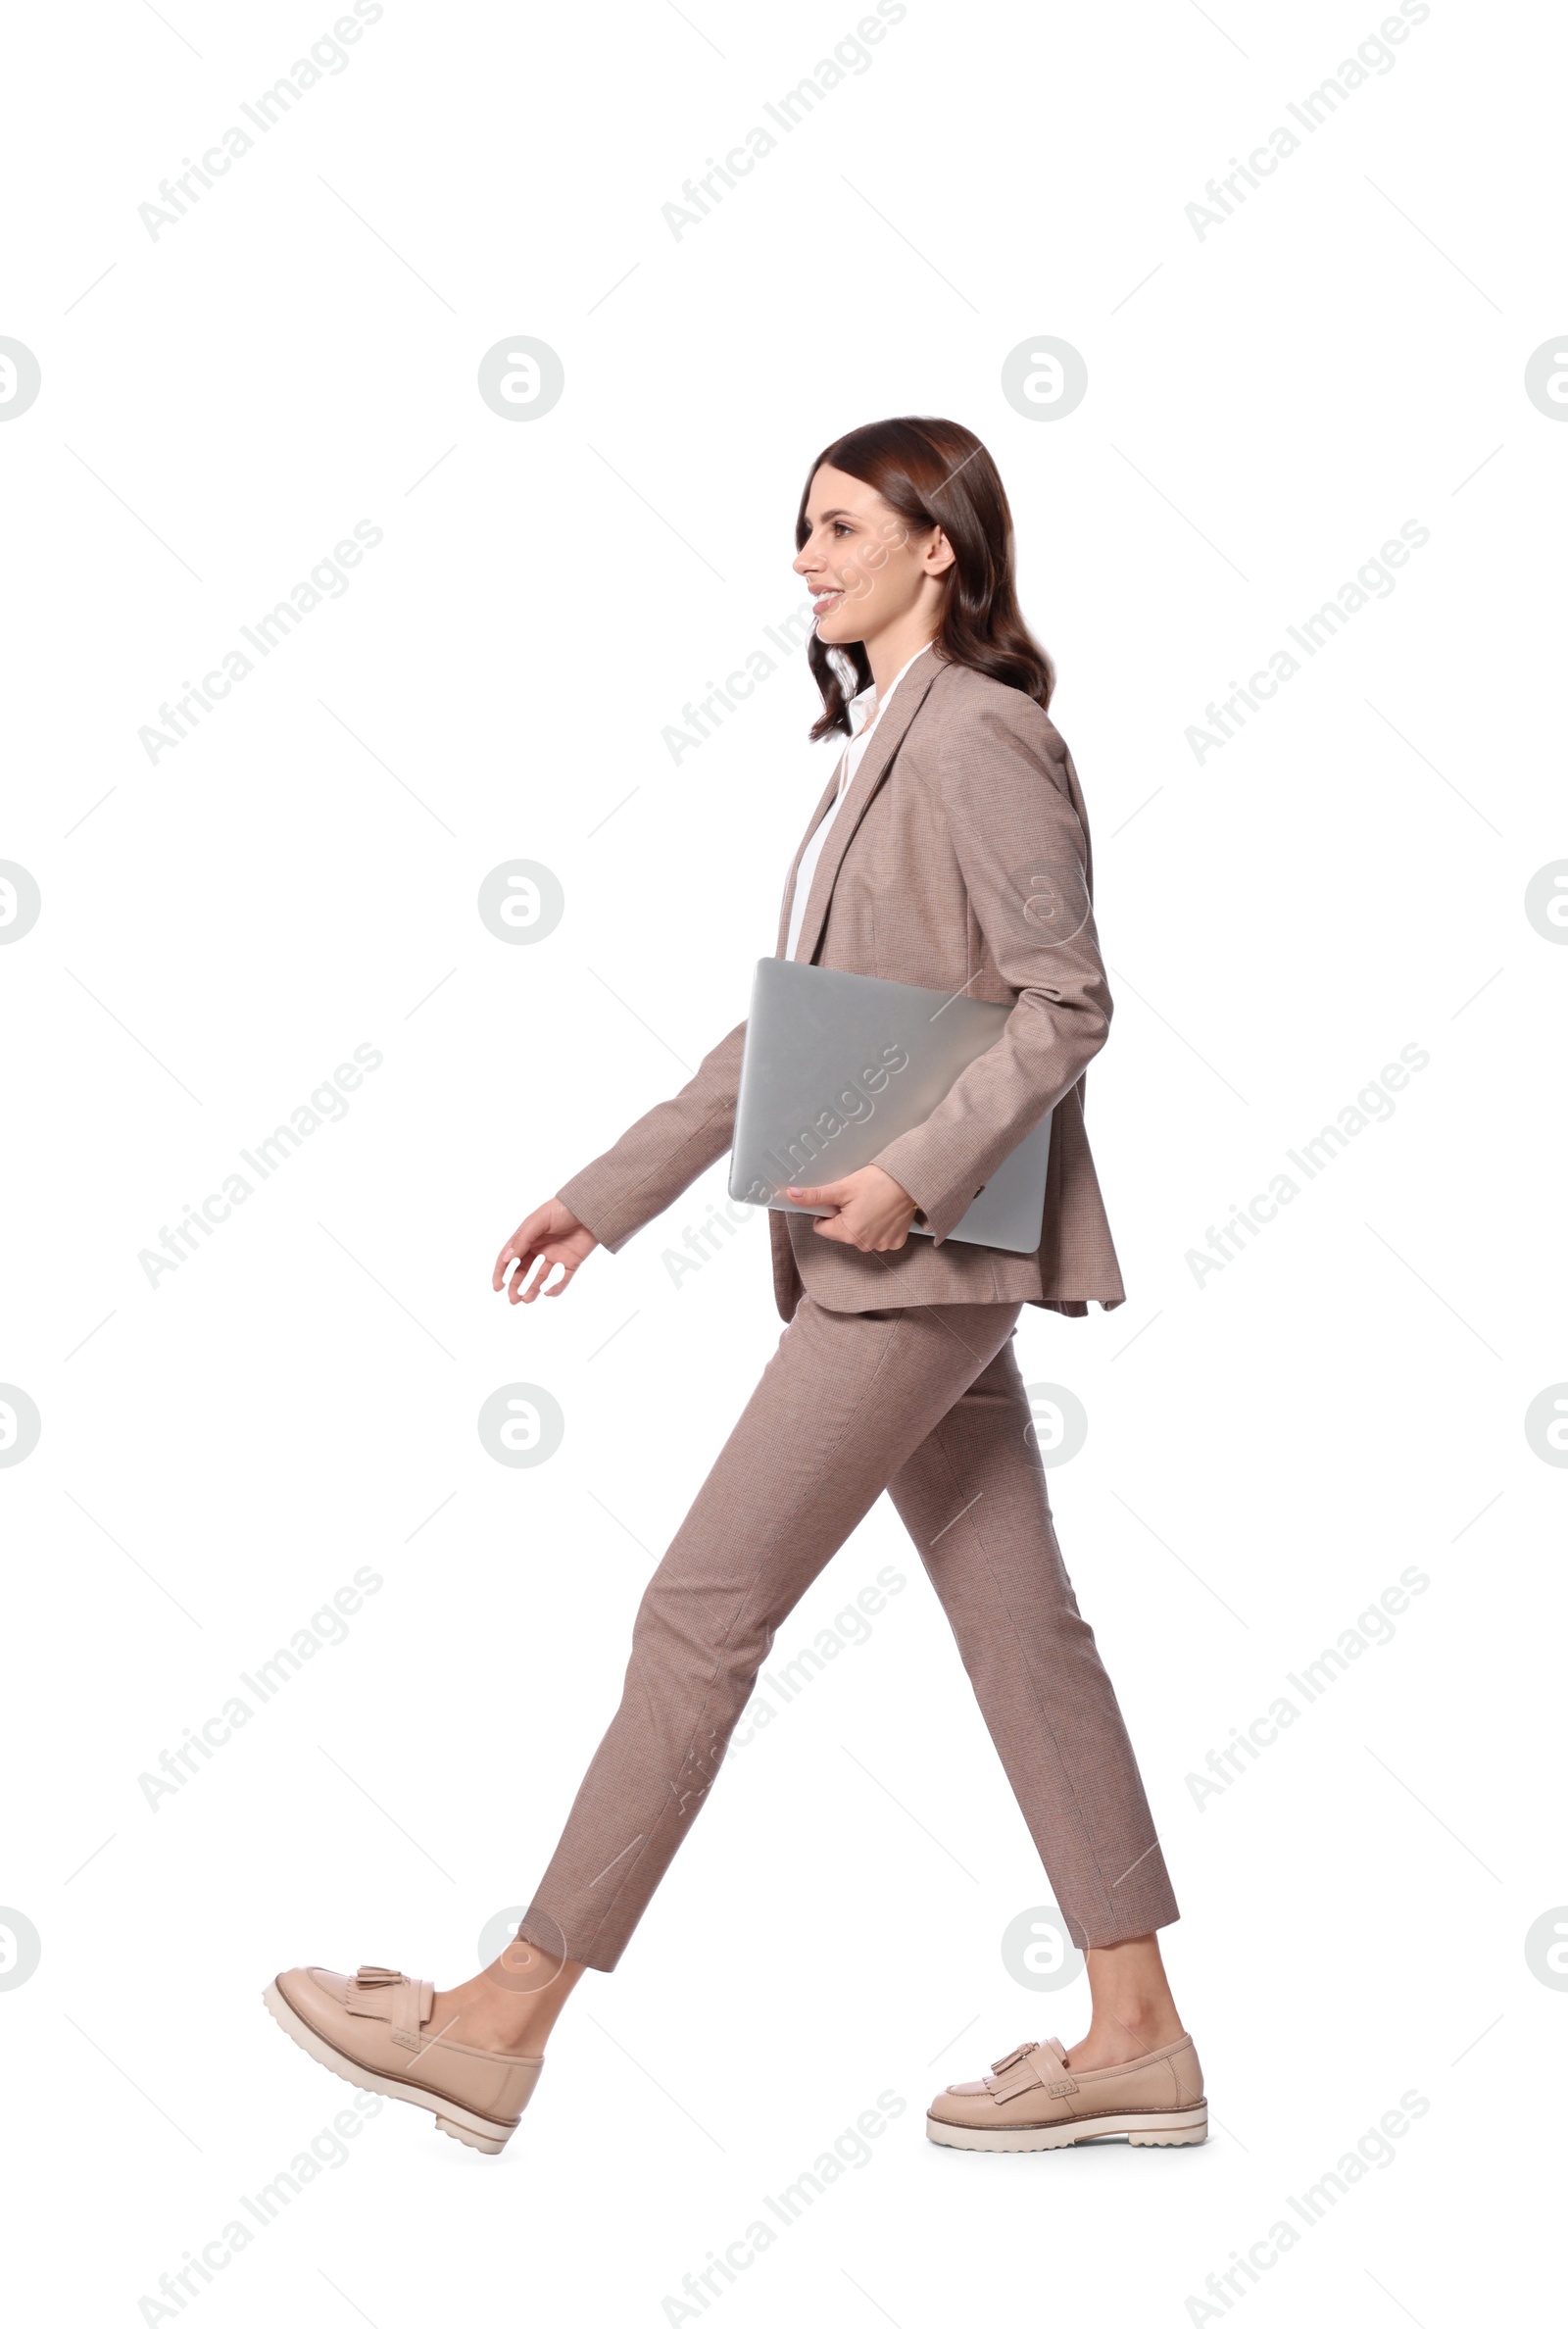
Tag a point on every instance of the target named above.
point(973, 1498)
point(843, 1403)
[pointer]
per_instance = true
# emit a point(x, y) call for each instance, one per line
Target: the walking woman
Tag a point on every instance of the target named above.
point(950, 851)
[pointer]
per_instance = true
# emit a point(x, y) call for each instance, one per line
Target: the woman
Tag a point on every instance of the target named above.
point(950, 851)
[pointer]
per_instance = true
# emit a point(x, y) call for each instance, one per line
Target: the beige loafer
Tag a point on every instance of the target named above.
point(1033, 2102)
point(370, 2027)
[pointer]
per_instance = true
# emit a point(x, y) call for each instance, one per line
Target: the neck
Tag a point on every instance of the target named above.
point(891, 650)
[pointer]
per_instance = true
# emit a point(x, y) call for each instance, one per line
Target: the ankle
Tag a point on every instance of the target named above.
point(1124, 2033)
point(480, 2022)
point(1154, 2019)
point(510, 2007)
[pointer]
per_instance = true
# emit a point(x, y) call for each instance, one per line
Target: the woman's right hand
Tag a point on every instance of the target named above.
point(549, 1235)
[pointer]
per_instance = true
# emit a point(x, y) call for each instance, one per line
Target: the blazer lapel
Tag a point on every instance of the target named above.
point(886, 736)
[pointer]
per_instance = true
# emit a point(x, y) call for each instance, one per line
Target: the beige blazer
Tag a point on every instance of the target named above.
point(959, 860)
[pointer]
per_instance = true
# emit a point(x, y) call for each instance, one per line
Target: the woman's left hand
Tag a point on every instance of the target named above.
point(873, 1212)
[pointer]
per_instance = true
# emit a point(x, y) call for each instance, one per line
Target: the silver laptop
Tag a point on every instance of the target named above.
point(835, 1065)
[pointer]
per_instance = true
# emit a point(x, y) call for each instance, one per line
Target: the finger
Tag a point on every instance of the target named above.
point(515, 1250)
point(521, 1292)
point(831, 1194)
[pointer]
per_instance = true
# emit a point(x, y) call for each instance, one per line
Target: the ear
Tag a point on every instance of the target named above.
point(938, 555)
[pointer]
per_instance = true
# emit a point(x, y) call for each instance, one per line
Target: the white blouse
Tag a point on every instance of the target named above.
point(854, 752)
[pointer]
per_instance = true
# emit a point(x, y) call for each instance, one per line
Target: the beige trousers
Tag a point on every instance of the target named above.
point(928, 1404)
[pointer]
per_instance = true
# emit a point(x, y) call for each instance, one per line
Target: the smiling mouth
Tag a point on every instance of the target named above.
point(826, 599)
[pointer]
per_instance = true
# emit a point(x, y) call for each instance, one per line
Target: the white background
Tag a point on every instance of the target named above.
point(1266, 1453)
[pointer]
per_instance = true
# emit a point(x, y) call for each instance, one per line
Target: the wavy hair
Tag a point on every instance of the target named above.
point(936, 472)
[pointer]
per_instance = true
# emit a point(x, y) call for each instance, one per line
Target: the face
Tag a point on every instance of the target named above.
point(863, 567)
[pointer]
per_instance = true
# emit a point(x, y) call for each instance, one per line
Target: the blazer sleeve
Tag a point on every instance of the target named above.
point(1009, 794)
point(662, 1153)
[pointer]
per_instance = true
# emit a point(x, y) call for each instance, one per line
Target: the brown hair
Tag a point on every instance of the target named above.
point(936, 472)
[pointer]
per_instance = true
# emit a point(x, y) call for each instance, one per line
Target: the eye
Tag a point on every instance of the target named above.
point(841, 525)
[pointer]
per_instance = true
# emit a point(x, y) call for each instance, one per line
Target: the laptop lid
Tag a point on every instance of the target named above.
point(836, 1065)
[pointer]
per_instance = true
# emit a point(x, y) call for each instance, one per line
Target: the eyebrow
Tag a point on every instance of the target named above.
point(825, 515)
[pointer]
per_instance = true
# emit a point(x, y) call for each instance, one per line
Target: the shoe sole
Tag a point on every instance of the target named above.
point(453, 2118)
point(1139, 2127)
